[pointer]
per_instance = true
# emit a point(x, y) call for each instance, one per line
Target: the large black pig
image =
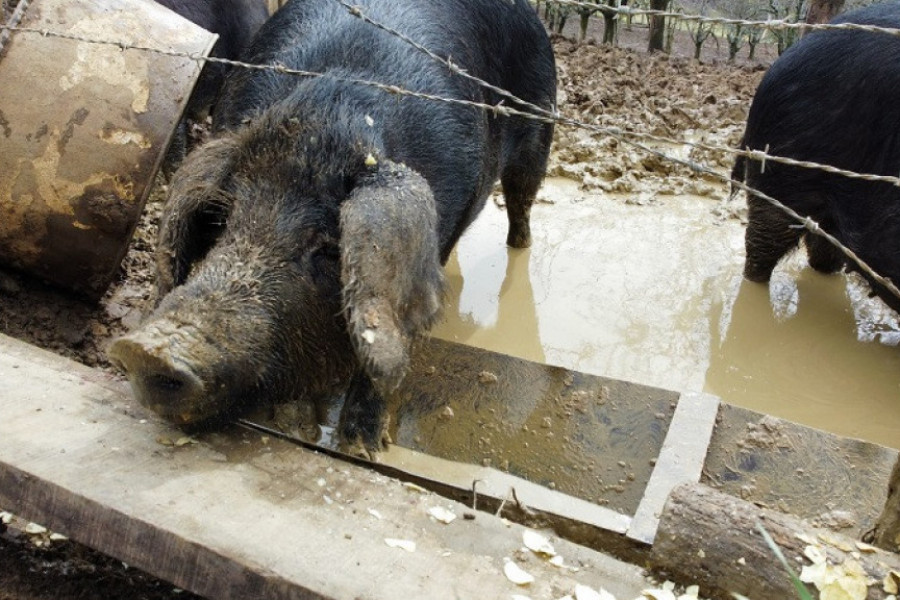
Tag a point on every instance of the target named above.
point(832, 98)
point(300, 250)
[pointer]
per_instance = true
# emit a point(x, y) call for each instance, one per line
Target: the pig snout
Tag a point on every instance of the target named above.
point(164, 377)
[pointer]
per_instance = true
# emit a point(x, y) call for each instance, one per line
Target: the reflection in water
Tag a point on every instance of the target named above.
point(654, 294)
point(479, 314)
point(475, 312)
point(792, 352)
point(607, 288)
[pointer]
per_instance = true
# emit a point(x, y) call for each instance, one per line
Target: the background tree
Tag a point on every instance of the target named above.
point(701, 30)
point(672, 24)
point(737, 34)
point(658, 25)
point(629, 17)
point(556, 15)
point(585, 11)
point(822, 11)
point(610, 14)
point(788, 10)
point(754, 37)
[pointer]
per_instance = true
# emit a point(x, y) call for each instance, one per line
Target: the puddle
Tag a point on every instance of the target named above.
point(653, 294)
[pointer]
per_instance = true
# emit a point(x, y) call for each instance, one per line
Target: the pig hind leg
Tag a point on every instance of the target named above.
point(770, 235)
point(823, 256)
point(525, 160)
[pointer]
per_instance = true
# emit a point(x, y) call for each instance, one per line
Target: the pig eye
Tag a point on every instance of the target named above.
point(204, 230)
point(325, 259)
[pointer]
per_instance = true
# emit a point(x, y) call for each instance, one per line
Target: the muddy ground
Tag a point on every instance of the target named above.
point(673, 97)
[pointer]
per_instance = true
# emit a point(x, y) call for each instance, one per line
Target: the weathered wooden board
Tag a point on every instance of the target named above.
point(680, 460)
point(242, 517)
point(825, 479)
point(601, 439)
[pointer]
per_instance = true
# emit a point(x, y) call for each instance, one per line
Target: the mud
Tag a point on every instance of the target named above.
point(635, 269)
point(60, 569)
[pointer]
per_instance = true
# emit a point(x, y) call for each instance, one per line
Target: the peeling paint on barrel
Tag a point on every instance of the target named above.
point(83, 129)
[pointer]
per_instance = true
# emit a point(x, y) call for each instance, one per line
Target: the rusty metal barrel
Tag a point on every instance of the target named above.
point(84, 127)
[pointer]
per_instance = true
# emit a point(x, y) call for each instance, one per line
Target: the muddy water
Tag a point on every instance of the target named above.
point(651, 292)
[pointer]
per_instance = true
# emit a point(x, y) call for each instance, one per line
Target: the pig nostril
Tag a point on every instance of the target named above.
point(165, 383)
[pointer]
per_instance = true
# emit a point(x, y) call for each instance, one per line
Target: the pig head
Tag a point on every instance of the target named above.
point(294, 262)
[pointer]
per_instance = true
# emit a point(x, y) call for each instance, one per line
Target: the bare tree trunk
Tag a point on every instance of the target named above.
point(887, 528)
point(735, 37)
point(610, 25)
point(562, 17)
point(585, 19)
point(822, 11)
point(754, 37)
point(657, 26)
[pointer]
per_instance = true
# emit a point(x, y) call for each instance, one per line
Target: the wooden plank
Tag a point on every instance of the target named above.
point(473, 482)
point(775, 463)
point(499, 485)
point(680, 460)
point(238, 516)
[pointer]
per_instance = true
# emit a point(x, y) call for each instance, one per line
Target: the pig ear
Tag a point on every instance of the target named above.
point(390, 268)
point(195, 212)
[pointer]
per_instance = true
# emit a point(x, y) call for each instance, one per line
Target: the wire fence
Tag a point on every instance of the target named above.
point(524, 109)
point(768, 24)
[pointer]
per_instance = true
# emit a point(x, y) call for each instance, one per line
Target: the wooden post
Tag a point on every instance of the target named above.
point(711, 539)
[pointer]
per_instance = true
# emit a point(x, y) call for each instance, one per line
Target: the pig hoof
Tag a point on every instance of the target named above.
point(359, 449)
point(367, 444)
point(299, 420)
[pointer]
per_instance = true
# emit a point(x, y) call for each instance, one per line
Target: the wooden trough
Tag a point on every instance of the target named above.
point(242, 513)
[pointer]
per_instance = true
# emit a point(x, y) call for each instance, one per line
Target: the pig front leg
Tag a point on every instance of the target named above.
point(363, 427)
point(392, 290)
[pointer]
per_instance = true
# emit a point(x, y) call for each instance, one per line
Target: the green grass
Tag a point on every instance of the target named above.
point(798, 585)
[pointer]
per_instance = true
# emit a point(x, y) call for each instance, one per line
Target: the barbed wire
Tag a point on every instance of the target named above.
point(14, 19)
point(357, 12)
point(762, 156)
point(770, 24)
point(538, 113)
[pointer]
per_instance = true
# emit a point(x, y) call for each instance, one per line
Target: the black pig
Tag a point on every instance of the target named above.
point(831, 98)
point(301, 248)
